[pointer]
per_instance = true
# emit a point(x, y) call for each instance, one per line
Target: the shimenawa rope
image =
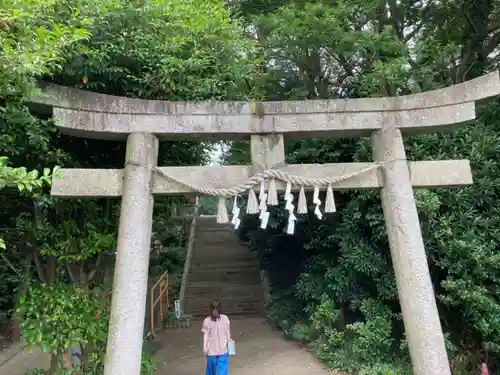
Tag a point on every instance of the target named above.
point(270, 198)
point(265, 175)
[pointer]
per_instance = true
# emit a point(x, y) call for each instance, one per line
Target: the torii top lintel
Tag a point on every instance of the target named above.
point(92, 115)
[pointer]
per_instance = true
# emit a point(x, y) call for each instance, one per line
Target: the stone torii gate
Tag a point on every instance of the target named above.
point(386, 120)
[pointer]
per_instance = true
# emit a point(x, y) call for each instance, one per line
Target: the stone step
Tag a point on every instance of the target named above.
point(225, 301)
point(243, 282)
point(212, 220)
point(208, 275)
point(220, 244)
point(213, 263)
point(225, 262)
point(215, 244)
point(219, 239)
point(225, 289)
point(228, 284)
point(199, 316)
point(237, 259)
point(202, 251)
point(203, 300)
point(229, 310)
point(225, 267)
point(216, 235)
point(216, 232)
point(207, 229)
point(203, 271)
point(227, 244)
point(206, 226)
point(244, 306)
point(209, 249)
point(203, 305)
point(241, 279)
point(212, 274)
point(216, 282)
point(239, 308)
point(225, 258)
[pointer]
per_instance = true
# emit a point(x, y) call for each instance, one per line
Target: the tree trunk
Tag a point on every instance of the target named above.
point(84, 358)
point(66, 361)
point(22, 291)
point(341, 323)
point(54, 362)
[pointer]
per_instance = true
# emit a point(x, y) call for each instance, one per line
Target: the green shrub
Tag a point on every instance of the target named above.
point(57, 317)
point(386, 369)
point(284, 311)
point(363, 348)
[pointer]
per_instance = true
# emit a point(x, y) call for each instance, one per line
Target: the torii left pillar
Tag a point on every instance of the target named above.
point(128, 304)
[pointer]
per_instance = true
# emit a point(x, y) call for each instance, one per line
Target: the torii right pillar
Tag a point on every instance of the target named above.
point(416, 294)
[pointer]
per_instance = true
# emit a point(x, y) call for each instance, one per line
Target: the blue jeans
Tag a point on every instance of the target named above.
point(217, 364)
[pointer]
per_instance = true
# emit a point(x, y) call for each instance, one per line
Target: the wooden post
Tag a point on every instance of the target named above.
point(161, 301)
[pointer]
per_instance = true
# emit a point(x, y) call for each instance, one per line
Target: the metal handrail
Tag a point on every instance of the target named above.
point(162, 283)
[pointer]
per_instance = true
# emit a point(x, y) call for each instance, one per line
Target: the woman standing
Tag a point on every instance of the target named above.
point(216, 337)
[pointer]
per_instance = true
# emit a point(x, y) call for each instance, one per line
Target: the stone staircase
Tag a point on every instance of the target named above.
point(222, 269)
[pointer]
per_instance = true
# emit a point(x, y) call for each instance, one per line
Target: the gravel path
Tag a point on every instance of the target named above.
point(259, 351)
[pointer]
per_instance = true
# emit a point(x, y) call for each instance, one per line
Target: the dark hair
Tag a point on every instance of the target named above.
point(215, 310)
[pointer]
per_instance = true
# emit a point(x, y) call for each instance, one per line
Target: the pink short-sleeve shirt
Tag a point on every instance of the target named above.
point(219, 334)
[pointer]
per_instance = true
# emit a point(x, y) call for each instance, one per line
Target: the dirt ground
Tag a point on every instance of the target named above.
point(259, 350)
point(24, 361)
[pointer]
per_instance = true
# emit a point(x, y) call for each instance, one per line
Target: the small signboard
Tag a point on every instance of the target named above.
point(177, 305)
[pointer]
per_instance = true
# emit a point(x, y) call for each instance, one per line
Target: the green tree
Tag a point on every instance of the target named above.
point(32, 45)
